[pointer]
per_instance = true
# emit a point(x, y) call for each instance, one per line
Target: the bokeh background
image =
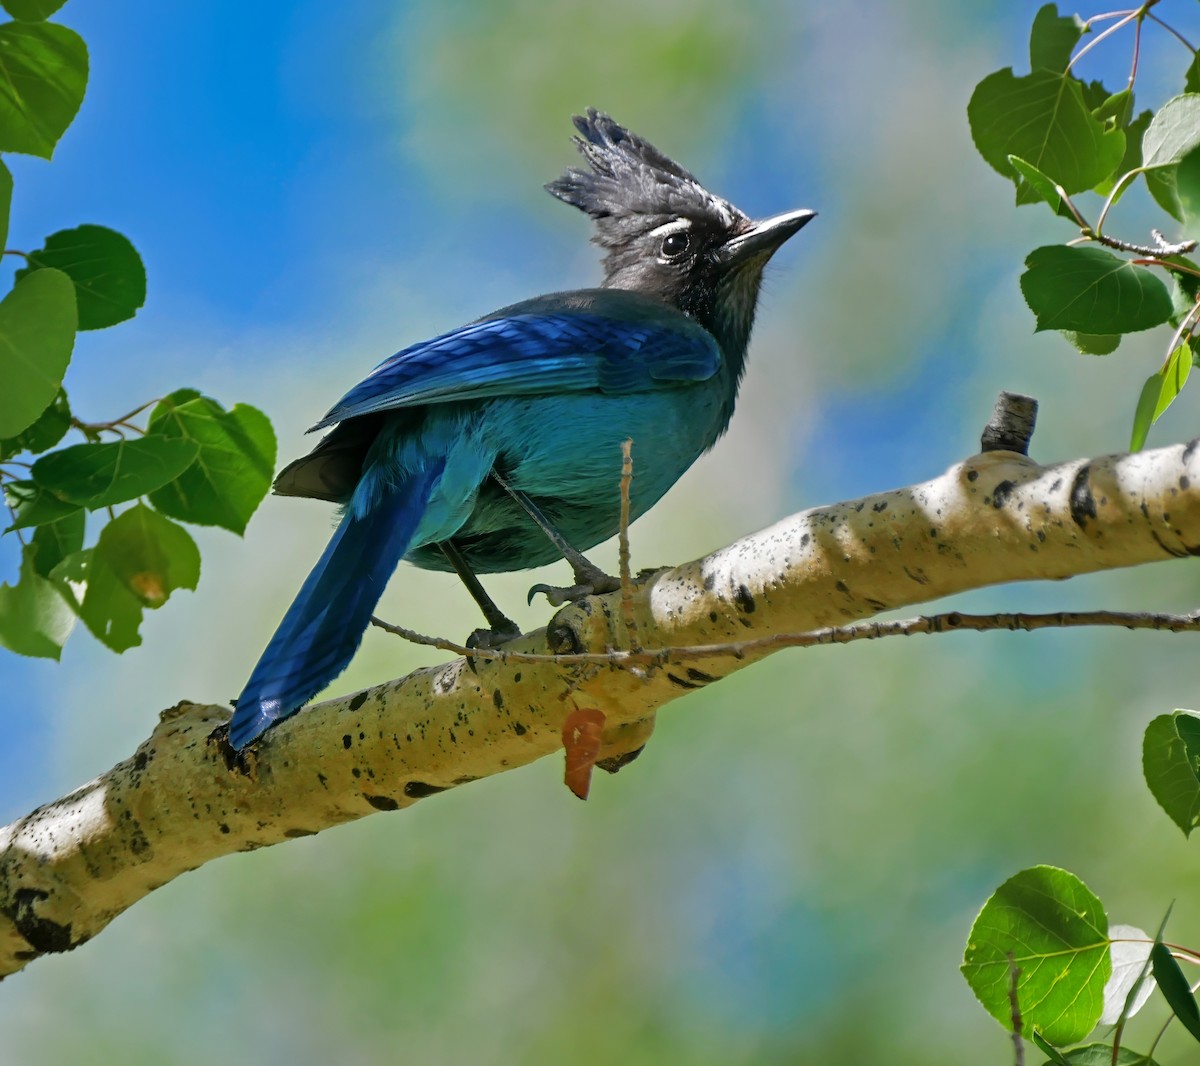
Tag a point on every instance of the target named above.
point(789, 873)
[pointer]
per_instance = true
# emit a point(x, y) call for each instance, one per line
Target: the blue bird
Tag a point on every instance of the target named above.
point(496, 446)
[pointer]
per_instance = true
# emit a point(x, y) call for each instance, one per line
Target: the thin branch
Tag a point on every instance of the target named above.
point(1172, 31)
point(94, 429)
point(623, 545)
point(1014, 976)
point(1137, 49)
point(1178, 268)
point(1100, 37)
point(1122, 181)
point(951, 621)
point(1160, 249)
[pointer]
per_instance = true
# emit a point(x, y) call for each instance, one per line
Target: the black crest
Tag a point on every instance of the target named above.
point(631, 181)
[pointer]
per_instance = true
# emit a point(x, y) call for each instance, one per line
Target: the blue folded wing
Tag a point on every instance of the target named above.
point(523, 353)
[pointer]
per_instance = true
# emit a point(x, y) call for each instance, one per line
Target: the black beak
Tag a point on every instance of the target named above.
point(763, 238)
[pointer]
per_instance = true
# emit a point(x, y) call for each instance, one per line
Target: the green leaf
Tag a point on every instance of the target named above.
point(49, 428)
point(110, 280)
point(43, 75)
point(139, 560)
point(232, 470)
point(1052, 39)
point(1134, 132)
point(1185, 288)
point(37, 334)
point(1161, 184)
point(1093, 343)
point(1056, 1057)
point(1171, 764)
point(1055, 929)
point(1187, 191)
point(54, 541)
point(1191, 77)
point(1115, 110)
point(1042, 119)
point(34, 506)
point(99, 475)
point(34, 618)
point(6, 189)
point(1173, 132)
point(31, 10)
point(1042, 185)
point(73, 567)
point(1174, 987)
point(1159, 393)
point(1090, 290)
point(1102, 1055)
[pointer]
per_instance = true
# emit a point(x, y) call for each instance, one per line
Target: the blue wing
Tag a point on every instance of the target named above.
point(603, 339)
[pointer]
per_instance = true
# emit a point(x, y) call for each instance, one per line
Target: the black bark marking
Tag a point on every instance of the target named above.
point(358, 701)
point(382, 803)
point(675, 680)
point(498, 699)
point(419, 790)
point(612, 765)
point(1083, 503)
point(1001, 493)
point(743, 598)
point(42, 934)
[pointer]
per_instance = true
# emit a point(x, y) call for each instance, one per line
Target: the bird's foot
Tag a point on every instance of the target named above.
point(500, 633)
point(591, 581)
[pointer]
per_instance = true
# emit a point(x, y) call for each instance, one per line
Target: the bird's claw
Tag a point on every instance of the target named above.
point(592, 584)
point(494, 637)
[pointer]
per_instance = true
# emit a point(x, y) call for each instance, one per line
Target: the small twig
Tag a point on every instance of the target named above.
point(623, 545)
point(1014, 975)
point(951, 621)
point(1100, 37)
point(1186, 327)
point(1117, 189)
point(1011, 426)
point(94, 429)
point(1137, 48)
point(1161, 249)
point(1177, 267)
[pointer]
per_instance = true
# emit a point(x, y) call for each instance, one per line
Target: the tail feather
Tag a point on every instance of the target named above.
point(325, 623)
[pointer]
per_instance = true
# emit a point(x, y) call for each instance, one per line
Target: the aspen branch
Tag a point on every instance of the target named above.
point(185, 798)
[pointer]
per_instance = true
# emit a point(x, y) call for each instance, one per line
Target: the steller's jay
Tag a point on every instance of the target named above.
point(496, 446)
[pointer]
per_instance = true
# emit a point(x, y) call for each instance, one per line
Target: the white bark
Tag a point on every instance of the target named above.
point(70, 867)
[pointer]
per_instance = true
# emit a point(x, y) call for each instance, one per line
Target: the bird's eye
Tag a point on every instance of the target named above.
point(675, 244)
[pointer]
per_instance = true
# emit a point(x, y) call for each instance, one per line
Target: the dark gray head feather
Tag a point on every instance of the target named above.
point(632, 186)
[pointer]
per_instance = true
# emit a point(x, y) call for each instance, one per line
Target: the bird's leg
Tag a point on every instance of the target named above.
point(590, 580)
point(501, 628)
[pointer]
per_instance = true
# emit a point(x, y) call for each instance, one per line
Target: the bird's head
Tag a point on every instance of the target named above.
point(668, 236)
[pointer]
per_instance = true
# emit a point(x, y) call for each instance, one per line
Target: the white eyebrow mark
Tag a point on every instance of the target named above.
point(676, 225)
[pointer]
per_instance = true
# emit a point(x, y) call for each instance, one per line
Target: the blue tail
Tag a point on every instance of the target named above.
point(325, 623)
